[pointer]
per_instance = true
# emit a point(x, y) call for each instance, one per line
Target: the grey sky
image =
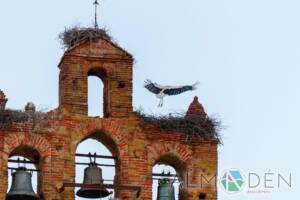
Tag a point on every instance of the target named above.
point(245, 53)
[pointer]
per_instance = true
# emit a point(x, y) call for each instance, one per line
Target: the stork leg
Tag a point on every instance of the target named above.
point(160, 102)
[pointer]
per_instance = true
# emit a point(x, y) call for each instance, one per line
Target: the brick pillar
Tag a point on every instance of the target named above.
point(195, 109)
point(3, 100)
point(202, 171)
point(30, 108)
point(3, 169)
point(73, 88)
point(3, 180)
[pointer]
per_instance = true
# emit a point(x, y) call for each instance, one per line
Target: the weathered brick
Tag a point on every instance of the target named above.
point(56, 137)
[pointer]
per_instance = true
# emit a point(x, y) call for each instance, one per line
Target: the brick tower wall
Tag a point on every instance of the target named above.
point(102, 59)
point(54, 139)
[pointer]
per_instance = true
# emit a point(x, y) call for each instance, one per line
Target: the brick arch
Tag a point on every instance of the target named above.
point(37, 142)
point(169, 153)
point(157, 150)
point(112, 129)
point(27, 141)
point(94, 67)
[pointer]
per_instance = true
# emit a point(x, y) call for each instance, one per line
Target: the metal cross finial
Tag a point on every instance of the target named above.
point(96, 17)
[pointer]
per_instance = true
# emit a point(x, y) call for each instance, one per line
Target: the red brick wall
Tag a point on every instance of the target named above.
point(101, 59)
point(138, 149)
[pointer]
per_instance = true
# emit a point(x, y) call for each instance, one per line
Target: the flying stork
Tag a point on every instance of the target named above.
point(162, 91)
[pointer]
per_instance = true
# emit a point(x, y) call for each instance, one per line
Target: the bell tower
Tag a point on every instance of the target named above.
point(102, 58)
point(139, 146)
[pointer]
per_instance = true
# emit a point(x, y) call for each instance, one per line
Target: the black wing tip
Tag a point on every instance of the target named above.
point(147, 82)
point(149, 85)
point(195, 85)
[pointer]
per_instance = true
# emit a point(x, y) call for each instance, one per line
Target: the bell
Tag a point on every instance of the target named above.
point(165, 190)
point(92, 175)
point(21, 188)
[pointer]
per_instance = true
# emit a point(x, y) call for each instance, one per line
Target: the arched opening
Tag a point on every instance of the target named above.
point(171, 168)
point(97, 92)
point(95, 97)
point(106, 161)
point(28, 159)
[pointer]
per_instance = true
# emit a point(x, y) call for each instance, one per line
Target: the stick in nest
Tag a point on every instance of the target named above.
point(192, 126)
point(75, 35)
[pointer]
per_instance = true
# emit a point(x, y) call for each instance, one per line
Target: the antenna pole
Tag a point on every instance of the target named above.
point(96, 14)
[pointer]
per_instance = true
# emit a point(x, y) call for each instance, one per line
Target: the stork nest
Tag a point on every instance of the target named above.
point(72, 36)
point(7, 117)
point(193, 126)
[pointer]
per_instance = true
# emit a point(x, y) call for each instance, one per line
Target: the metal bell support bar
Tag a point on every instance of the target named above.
point(102, 186)
point(22, 162)
point(96, 156)
point(157, 176)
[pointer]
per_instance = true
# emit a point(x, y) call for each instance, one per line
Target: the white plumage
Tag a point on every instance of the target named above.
point(162, 91)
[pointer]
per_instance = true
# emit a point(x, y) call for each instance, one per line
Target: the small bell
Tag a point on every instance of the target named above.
point(92, 175)
point(21, 188)
point(165, 190)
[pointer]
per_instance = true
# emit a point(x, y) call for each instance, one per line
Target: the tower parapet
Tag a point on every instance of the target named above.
point(95, 56)
point(196, 108)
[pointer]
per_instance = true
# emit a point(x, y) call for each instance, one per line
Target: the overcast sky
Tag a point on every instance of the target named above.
point(245, 53)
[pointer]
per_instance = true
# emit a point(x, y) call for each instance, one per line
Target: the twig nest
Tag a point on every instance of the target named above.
point(193, 126)
point(72, 36)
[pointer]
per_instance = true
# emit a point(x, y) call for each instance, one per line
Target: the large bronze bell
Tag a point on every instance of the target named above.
point(21, 188)
point(92, 175)
point(165, 190)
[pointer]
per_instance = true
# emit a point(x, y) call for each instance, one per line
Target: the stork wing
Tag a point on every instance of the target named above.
point(178, 90)
point(152, 87)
